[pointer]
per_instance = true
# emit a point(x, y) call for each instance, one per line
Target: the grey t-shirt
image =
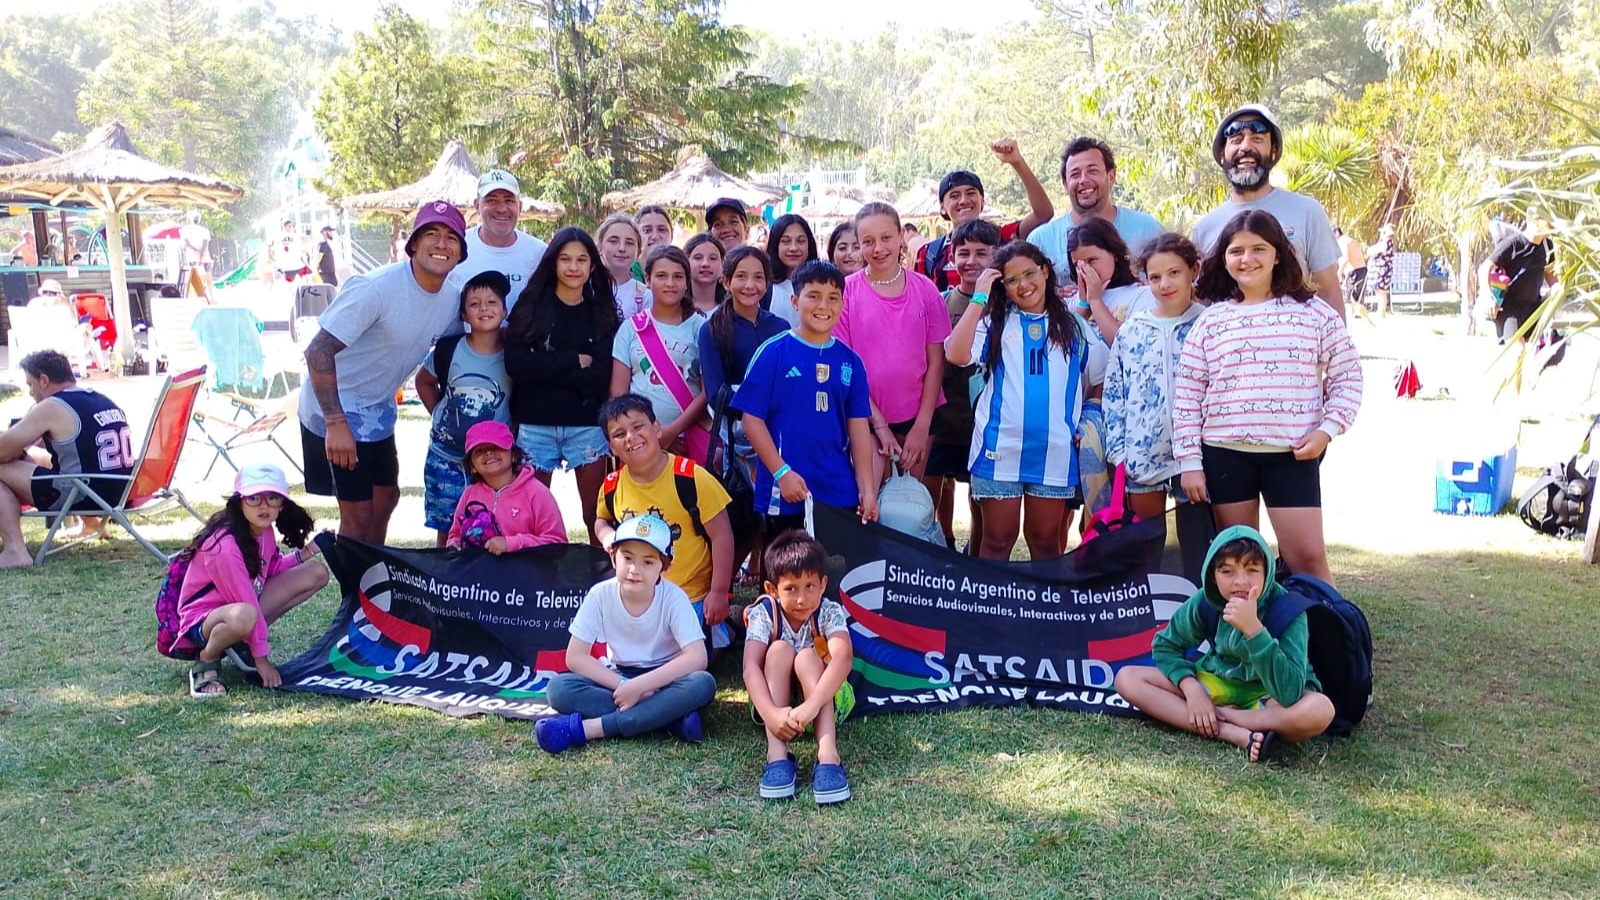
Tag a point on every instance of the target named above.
point(1303, 220)
point(1136, 229)
point(386, 322)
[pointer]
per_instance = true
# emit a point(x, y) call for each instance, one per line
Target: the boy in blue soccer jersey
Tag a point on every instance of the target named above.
point(806, 411)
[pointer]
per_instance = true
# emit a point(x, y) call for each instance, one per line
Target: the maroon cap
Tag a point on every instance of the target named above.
point(439, 212)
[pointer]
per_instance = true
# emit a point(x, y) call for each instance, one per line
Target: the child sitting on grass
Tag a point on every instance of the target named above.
point(797, 642)
point(505, 508)
point(1250, 689)
point(657, 677)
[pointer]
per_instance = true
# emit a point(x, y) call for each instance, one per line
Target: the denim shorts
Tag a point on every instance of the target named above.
point(443, 483)
point(988, 489)
point(549, 447)
point(1170, 485)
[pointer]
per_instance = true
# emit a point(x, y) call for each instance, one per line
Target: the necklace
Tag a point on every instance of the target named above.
point(890, 280)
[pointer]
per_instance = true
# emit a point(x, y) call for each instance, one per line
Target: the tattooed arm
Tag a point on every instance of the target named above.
point(341, 443)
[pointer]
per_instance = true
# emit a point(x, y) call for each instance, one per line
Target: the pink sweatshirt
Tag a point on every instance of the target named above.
point(218, 564)
point(525, 511)
point(1265, 374)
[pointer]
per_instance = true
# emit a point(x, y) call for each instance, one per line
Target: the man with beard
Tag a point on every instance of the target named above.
point(1089, 174)
point(495, 243)
point(1247, 145)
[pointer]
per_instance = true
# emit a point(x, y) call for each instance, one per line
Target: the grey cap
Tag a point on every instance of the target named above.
point(1252, 109)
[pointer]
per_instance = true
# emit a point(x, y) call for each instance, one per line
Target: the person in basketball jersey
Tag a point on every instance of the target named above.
point(82, 431)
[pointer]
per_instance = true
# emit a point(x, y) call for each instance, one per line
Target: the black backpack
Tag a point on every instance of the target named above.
point(933, 261)
point(1338, 644)
point(1558, 503)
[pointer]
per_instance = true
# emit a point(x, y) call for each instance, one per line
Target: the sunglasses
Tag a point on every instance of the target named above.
point(1240, 126)
point(273, 501)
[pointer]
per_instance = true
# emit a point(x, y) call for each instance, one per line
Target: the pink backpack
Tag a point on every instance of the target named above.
point(169, 640)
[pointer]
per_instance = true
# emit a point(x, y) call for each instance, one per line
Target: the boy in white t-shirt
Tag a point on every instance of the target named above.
point(656, 677)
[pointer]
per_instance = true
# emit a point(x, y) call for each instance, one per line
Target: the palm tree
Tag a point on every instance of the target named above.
point(1340, 169)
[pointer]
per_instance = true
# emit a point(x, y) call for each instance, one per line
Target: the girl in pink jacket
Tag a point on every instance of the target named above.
point(505, 507)
point(238, 582)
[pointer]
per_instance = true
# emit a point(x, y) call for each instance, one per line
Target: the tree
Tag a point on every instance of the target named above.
point(389, 107)
point(1339, 167)
point(592, 95)
point(44, 63)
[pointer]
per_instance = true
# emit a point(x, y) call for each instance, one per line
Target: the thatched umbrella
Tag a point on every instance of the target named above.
point(694, 183)
point(16, 147)
point(108, 174)
point(921, 201)
point(454, 179)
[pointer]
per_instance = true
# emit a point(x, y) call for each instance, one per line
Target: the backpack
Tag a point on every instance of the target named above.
point(818, 639)
point(1559, 502)
point(932, 259)
point(1338, 644)
point(905, 505)
point(478, 525)
point(724, 465)
point(169, 640)
point(682, 479)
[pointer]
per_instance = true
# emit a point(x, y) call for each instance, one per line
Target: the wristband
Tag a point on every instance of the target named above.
point(980, 298)
point(782, 471)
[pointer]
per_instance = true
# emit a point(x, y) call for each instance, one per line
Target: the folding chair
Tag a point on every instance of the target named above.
point(264, 420)
point(1407, 279)
point(231, 339)
point(146, 492)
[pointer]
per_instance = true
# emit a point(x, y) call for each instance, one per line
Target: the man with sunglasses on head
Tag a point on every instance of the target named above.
point(1247, 145)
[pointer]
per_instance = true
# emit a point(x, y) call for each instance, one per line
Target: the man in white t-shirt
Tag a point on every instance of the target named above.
point(1247, 145)
point(1089, 174)
point(195, 257)
point(368, 343)
point(495, 243)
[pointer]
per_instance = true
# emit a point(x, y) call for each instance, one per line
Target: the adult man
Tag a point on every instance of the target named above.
point(288, 256)
point(26, 252)
point(495, 243)
point(1247, 145)
point(961, 200)
point(729, 222)
point(376, 332)
point(1525, 258)
point(326, 263)
point(195, 257)
point(1089, 174)
point(84, 433)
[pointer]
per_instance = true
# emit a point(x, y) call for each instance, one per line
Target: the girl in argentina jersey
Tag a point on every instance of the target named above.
point(1039, 364)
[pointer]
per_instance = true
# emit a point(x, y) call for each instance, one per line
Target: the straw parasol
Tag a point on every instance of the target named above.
point(108, 174)
point(694, 183)
point(454, 179)
point(921, 201)
point(16, 148)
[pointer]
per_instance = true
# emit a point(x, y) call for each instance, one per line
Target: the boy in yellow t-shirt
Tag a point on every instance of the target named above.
point(654, 482)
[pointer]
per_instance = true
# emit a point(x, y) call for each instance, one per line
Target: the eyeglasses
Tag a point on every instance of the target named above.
point(1030, 275)
point(273, 501)
point(1240, 126)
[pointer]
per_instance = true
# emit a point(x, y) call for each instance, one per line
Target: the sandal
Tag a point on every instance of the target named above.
point(1261, 742)
point(202, 677)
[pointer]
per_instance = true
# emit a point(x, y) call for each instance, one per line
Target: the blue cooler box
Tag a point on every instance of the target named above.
point(1474, 487)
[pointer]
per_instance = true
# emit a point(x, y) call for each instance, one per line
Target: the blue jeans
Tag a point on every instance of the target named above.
point(572, 693)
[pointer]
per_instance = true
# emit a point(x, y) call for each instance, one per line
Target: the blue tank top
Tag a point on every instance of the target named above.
point(101, 444)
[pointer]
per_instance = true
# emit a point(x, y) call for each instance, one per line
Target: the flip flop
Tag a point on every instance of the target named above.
point(1263, 742)
point(201, 676)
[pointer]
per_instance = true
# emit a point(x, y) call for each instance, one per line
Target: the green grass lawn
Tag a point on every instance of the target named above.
point(1474, 776)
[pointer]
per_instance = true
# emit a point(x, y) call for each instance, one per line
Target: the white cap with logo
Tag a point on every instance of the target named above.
point(498, 180)
point(652, 530)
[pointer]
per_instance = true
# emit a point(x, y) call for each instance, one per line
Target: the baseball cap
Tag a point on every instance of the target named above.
point(260, 478)
point(959, 178)
point(726, 203)
point(1249, 109)
point(327, 229)
point(652, 530)
point(498, 180)
point(439, 212)
point(495, 434)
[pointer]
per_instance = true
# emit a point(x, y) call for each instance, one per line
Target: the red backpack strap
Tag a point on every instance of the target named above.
point(608, 491)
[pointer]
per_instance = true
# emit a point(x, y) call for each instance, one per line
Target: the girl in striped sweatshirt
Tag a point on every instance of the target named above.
point(1267, 378)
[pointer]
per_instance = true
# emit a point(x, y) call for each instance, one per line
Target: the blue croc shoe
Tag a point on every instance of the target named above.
point(777, 779)
point(688, 728)
point(559, 733)
point(829, 785)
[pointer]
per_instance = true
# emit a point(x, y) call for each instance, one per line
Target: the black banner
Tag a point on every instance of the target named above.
point(933, 629)
point(463, 633)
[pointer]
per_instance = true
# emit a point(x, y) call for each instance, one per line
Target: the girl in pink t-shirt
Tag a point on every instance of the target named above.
point(896, 321)
point(238, 582)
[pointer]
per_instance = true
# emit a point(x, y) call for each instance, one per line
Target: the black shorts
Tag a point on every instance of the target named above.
point(948, 461)
point(49, 495)
point(1277, 478)
point(377, 465)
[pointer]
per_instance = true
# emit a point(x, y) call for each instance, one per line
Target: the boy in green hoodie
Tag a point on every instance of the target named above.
point(1250, 689)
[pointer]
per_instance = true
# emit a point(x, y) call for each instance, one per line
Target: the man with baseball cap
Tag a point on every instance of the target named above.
point(961, 199)
point(1247, 145)
point(326, 263)
point(495, 242)
point(370, 340)
point(729, 222)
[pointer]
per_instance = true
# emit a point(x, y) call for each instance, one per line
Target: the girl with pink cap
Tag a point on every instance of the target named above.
point(505, 507)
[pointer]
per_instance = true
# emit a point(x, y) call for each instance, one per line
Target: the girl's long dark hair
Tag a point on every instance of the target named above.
point(1097, 232)
point(780, 272)
point(839, 231)
point(1288, 279)
point(519, 459)
point(673, 256)
point(722, 316)
point(1062, 325)
point(294, 525)
point(534, 315)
